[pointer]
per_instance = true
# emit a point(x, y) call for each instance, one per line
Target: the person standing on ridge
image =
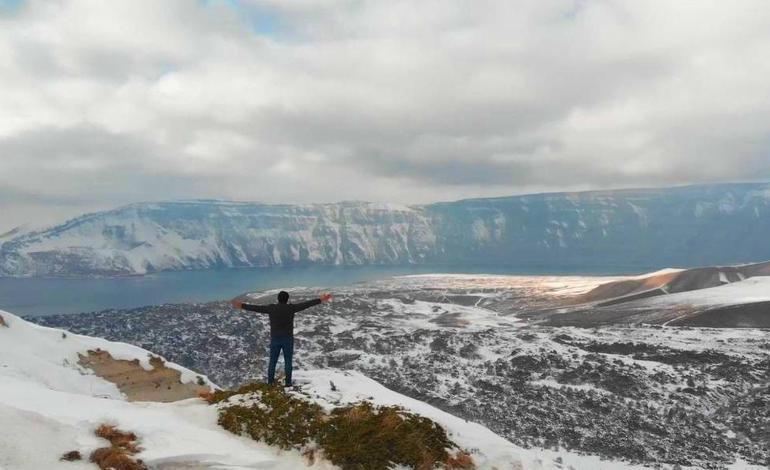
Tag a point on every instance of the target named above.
point(281, 328)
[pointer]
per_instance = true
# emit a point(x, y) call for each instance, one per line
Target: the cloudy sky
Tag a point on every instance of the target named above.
point(108, 102)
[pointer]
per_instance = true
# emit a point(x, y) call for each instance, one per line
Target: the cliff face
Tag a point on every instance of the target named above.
point(698, 225)
point(143, 238)
point(679, 226)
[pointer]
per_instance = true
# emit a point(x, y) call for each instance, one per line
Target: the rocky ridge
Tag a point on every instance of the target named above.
point(696, 225)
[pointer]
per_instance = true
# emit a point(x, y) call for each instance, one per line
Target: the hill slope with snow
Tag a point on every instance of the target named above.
point(697, 225)
point(715, 297)
point(51, 404)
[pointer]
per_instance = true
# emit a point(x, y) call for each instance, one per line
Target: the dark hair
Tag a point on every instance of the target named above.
point(283, 297)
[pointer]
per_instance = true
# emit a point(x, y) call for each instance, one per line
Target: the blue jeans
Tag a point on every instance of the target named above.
point(276, 345)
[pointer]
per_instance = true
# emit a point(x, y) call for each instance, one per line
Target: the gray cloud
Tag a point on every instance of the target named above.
point(105, 103)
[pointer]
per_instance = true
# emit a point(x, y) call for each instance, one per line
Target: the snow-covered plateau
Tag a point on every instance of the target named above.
point(513, 353)
point(688, 226)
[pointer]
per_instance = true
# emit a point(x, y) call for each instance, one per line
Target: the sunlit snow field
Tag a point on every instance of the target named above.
point(40, 296)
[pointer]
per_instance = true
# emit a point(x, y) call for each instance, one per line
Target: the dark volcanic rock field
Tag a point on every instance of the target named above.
point(654, 395)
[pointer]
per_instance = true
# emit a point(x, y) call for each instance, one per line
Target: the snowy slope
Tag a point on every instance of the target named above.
point(755, 289)
point(49, 357)
point(489, 450)
point(49, 405)
point(719, 296)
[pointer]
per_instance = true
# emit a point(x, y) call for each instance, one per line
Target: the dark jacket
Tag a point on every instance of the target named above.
point(281, 316)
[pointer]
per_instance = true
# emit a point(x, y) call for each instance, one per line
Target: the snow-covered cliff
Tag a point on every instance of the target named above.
point(697, 225)
point(142, 238)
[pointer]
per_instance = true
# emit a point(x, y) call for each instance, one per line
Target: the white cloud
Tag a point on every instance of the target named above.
point(104, 103)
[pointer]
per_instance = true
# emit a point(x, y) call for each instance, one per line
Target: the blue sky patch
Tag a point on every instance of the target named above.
point(10, 5)
point(260, 20)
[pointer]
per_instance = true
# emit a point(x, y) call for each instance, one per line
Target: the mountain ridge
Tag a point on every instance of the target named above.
point(686, 225)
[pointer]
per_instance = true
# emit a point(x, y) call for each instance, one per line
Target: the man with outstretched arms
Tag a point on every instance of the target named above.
point(281, 328)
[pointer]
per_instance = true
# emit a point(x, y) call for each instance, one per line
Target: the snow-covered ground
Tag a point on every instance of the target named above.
point(473, 346)
point(559, 286)
point(433, 315)
point(50, 405)
point(755, 289)
point(489, 449)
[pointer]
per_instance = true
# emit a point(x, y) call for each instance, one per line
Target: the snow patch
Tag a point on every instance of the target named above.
point(754, 289)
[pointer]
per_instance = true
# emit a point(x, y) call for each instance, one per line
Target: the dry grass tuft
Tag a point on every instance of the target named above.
point(461, 460)
point(119, 456)
point(2, 322)
point(356, 414)
point(115, 458)
point(207, 395)
point(71, 456)
point(118, 438)
point(354, 437)
point(156, 362)
point(367, 436)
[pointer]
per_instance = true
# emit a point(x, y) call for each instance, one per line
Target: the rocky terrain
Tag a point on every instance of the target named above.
point(687, 226)
point(478, 347)
point(70, 401)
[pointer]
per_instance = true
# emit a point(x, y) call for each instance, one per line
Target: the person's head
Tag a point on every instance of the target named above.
point(283, 297)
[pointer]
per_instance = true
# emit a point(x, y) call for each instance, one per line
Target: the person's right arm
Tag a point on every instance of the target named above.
point(239, 305)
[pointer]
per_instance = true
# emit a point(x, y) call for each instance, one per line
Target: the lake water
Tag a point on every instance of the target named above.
point(38, 297)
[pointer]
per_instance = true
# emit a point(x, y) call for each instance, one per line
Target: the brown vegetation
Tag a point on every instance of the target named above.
point(461, 460)
point(119, 455)
point(112, 458)
point(365, 436)
point(353, 437)
point(71, 456)
point(207, 395)
point(2, 322)
point(161, 383)
point(118, 438)
point(283, 421)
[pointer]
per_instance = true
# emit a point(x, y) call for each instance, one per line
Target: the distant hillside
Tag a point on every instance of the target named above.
point(686, 226)
point(712, 296)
